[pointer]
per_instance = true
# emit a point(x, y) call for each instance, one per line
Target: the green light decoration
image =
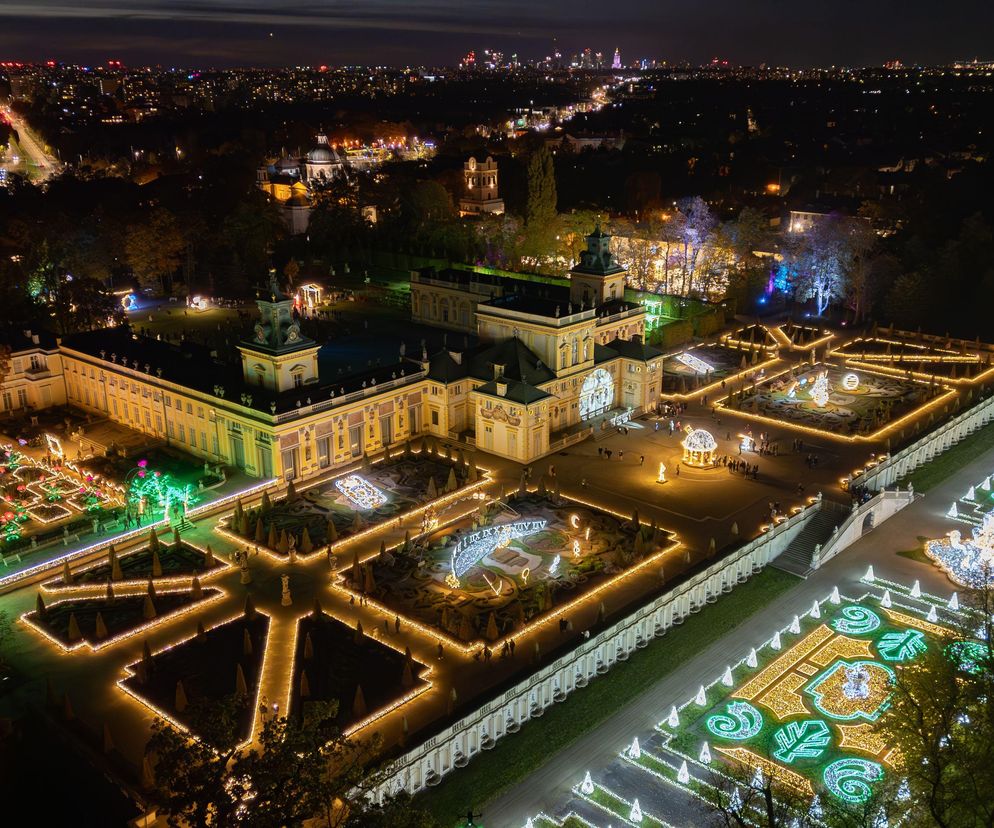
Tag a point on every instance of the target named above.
point(970, 656)
point(855, 620)
point(851, 779)
point(801, 740)
point(154, 490)
point(743, 721)
point(901, 646)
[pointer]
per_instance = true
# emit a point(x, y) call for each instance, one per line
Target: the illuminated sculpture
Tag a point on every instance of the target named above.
point(850, 382)
point(857, 683)
point(156, 490)
point(695, 363)
point(699, 447)
point(477, 545)
point(969, 563)
point(360, 492)
point(662, 473)
point(819, 390)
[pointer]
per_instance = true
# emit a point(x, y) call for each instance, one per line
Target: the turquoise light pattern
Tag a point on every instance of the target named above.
point(742, 722)
point(801, 740)
point(901, 646)
point(850, 779)
point(856, 620)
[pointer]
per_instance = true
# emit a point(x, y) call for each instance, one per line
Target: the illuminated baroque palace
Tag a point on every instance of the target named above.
point(549, 360)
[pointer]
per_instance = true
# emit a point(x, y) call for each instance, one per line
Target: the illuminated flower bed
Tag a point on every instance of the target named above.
point(121, 616)
point(806, 711)
point(223, 661)
point(531, 558)
point(331, 661)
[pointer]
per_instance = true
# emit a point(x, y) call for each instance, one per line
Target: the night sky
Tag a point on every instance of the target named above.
point(437, 32)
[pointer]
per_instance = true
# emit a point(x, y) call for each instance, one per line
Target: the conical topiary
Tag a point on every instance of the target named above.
point(283, 547)
point(153, 540)
point(180, 702)
point(331, 532)
point(432, 490)
point(451, 484)
point(156, 564)
point(357, 523)
point(109, 597)
point(241, 686)
point(306, 547)
point(308, 647)
point(246, 643)
point(359, 635)
point(260, 531)
point(305, 686)
point(73, 632)
point(148, 608)
point(359, 704)
point(101, 627)
point(266, 505)
point(249, 611)
point(196, 592)
point(291, 492)
point(66, 573)
point(356, 570)
point(209, 557)
point(150, 589)
point(40, 608)
point(115, 566)
point(407, 677)
point(492, 631)
point(271, 540)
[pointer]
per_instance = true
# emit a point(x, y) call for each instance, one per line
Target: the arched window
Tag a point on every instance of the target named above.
point(576, 350)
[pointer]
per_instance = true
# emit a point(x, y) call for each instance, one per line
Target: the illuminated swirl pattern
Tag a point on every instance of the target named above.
point(856, 620)
point(742, 722)
point(850, 779)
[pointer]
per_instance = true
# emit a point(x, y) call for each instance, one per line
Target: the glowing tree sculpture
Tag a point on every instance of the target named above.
point(819, 390)
point(155, 491)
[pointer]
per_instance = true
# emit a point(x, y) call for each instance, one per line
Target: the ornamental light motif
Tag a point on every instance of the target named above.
point(360, 492)
point(472, 548)
point(819, 390)
point(695, 363)
point(969, 563)
point(699, 447)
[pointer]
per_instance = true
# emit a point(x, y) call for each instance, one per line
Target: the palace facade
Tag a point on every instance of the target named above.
point(549, 361)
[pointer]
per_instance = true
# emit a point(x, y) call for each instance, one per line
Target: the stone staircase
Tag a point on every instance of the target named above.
point(796, 558)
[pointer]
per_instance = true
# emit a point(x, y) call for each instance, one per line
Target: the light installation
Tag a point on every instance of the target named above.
point(474, 547)
point(695, 363)
point(360, 492)
point(851, 779)
point(819, 390)
point(857, 684)
point(156, 490)
point(596, 393)
point(970, 562)
point(699, 447)
point(850, 382)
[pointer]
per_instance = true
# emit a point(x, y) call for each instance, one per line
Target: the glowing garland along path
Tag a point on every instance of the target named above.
point(360, 491)
point(801, 710)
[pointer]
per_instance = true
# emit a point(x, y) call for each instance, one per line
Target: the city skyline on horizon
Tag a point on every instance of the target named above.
point(223, 34)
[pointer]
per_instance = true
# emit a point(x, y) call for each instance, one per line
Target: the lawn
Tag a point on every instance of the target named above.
point(514, 757)
point(918, 553)
point(946, 464)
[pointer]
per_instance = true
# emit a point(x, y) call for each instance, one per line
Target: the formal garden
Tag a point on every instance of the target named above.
point(339, 665)
point(337, 509)
point(800, 337)
point(156, 560)
point(832, 399)
point(514, 562)
point(703, 365)
point(211, 666)
point(799, 709)
point(96, 621)
point(948, 360)
point(41, 503)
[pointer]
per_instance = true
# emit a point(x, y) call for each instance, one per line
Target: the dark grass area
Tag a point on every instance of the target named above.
point(936, 471)
point(918, 553)
point(120, 615)
point(177, 559)
point(516, 756)
point(339, 663)
point(207, 665)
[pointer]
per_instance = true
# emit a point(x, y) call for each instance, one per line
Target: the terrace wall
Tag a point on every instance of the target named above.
point(928, 447)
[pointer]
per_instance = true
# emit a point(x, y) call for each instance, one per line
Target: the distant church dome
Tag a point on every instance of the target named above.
point(322, 153)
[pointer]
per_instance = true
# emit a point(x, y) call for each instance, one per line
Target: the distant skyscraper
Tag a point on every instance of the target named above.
point(616, 63)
